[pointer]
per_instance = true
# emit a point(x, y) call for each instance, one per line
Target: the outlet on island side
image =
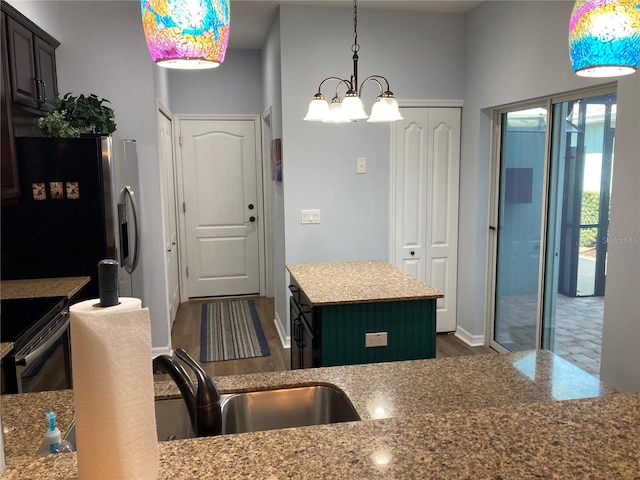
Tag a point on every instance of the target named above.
point(377, 339)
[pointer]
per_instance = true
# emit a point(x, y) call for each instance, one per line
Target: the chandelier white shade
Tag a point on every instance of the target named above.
point(385, 110)
point(350, 108)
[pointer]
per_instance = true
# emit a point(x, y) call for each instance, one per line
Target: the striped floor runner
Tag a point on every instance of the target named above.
point(231, 330)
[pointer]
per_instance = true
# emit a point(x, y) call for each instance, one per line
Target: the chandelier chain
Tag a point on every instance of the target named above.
point(355, 47)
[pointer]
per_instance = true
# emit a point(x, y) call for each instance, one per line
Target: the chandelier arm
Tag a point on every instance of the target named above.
point(340, 80)
point(375, 79)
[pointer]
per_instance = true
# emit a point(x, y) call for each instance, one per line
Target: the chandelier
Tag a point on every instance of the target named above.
point(604, 37)
point(350, 108)
point(186, 34)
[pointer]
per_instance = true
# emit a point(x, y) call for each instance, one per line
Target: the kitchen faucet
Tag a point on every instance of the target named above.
point(203, 400)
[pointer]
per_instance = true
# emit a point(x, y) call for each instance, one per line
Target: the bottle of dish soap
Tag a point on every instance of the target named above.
point(53, 442)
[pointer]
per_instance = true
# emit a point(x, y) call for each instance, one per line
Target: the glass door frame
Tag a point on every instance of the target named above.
point(494, 213)
point(494, 206)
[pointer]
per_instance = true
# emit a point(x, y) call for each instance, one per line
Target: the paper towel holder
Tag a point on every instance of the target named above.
point(108, 282)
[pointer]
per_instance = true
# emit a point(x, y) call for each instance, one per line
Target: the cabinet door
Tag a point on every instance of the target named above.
point(22, 64)
point(294, 314)
point(10, 188)
point(45, 56)
point(307, 344)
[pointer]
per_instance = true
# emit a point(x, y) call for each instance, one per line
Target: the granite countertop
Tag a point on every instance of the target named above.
point(5, 348)
point(358, 282)
point(590, 438)
point(42, 287)
point(485, 416)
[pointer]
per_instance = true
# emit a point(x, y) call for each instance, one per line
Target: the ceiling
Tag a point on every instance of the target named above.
point(251, 19)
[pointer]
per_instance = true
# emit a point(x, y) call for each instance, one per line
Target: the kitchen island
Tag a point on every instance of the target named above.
point(359, 312)
point(517, 415)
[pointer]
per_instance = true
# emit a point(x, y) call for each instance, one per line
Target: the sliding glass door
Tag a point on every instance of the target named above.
point(550, 224)
point(521, 191)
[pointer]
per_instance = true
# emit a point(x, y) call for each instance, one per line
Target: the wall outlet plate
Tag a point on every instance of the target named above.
point(378, 339)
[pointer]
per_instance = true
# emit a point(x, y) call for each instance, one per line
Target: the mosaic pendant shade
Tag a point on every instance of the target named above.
point(188, 34)
point(604, 37)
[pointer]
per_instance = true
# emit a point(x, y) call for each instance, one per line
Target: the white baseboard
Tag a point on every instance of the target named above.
point(471, 340)
point(156, 351)
point(284, 339)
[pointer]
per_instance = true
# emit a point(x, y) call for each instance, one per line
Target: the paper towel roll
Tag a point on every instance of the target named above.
point(113, 391)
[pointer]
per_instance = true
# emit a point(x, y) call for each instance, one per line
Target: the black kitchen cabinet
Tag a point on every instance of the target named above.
point(31, 61)
point(305, 341)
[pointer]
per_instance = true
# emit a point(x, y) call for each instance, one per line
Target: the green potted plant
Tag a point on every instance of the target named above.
point(73, 116)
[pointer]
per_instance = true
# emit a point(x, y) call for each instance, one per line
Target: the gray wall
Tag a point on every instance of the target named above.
point(235, 87)
point(273, 99)
point(620, 365)
point(420, 54)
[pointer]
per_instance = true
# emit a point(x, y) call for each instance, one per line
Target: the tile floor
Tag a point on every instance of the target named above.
point(578, 336)
point(578, 332)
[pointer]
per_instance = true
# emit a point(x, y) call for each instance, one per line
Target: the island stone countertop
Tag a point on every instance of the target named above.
point(517, 415)
point(42, 287)
point(358, 282)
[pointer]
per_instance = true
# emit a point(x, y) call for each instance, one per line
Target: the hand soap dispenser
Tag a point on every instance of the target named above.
point(53, 442)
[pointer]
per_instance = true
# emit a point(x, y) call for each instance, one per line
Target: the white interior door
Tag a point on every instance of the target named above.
point(165, 152)
point(425, 183)
point(219, 166)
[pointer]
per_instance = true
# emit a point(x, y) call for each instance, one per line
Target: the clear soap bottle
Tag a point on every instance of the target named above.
point(53, 442)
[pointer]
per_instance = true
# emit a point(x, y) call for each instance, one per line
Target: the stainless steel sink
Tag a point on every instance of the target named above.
point(259, 410)
point(285, 407)
point(172, 421)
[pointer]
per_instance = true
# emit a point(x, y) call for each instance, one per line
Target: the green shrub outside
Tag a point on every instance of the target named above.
point(589, 214)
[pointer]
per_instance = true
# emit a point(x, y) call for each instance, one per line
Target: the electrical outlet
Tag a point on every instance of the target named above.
point(378, 339)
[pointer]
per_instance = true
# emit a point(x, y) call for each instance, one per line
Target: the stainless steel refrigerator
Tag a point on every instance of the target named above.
point(77, 206)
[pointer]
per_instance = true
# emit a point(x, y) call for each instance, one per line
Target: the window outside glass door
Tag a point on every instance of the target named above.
point(550, 226)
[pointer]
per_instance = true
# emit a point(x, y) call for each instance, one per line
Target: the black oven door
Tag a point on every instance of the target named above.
point(41, 358)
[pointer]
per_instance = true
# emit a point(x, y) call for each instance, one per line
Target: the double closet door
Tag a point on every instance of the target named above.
point(424, 202)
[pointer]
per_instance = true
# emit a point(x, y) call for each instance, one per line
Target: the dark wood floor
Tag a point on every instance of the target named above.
point(186, 334)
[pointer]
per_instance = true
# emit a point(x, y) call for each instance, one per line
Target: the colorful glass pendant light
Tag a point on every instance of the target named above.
point(604, 37)
point(186, 34)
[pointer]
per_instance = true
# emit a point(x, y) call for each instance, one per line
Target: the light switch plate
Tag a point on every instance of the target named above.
point(310, 216)
point(361, 165)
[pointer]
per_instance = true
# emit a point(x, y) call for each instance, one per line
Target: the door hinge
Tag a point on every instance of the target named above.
point(180, 140)
point(184, 207)
point(187, 269)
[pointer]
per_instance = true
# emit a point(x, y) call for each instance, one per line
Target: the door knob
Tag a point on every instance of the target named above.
point(412, 253)
point(251, 206)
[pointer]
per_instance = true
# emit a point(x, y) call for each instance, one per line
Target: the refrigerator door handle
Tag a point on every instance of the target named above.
point(127, 191)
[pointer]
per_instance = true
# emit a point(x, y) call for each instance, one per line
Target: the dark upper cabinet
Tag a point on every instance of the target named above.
point(29, 85)
point(46, 71)
point(32, 63)
point(10, 187)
